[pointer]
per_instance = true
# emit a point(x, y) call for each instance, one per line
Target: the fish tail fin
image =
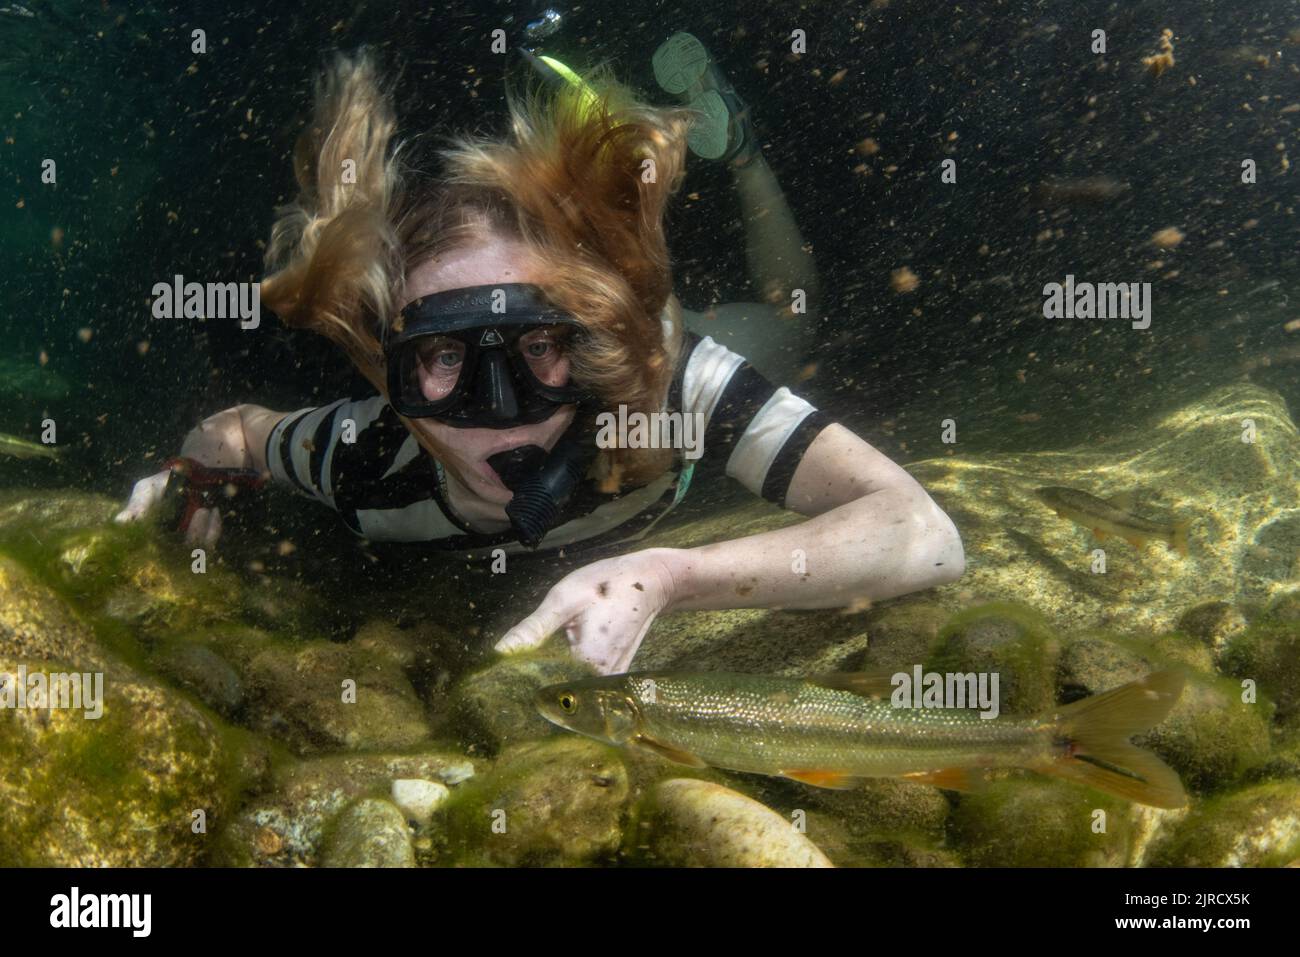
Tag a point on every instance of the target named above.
point(1096, 748)
point(1178, 541)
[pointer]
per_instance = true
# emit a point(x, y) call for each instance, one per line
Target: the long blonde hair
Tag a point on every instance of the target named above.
point(583, 183)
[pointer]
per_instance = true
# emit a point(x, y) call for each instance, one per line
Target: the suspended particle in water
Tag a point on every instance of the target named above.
point(903, 280)
point(1168, 238)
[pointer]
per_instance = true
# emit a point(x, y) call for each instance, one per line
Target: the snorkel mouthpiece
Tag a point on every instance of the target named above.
point(542, 483)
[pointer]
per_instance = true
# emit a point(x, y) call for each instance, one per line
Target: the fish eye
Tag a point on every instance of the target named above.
point(568, 702)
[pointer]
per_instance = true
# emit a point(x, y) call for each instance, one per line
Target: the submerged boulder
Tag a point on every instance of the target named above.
point(493, 708)
point(286, 825)
point(319, 696)
point(369, 833)
point(1256, 827)
point(141, 785)
point(686, 822)
point(1036, 822)
point(556, 802)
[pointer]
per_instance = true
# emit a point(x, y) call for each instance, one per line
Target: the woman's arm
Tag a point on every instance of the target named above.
point(875, 534)
point(233, 438)
point(257, 423)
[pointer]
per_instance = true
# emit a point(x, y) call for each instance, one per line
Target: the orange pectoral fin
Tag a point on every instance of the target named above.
point(952, 779)
point(836, 780)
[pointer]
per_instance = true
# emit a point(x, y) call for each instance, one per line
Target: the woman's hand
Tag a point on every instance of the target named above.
point(604, 609)
point(217, 442)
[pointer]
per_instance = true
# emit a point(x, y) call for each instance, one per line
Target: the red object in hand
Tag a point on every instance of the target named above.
point(200, 484)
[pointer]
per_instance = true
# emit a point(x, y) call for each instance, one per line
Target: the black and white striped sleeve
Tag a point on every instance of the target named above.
point(300, 451)
point(759, 430)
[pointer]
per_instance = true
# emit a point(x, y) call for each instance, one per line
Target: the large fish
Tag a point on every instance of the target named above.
point(1112, 518)
point(836, 730)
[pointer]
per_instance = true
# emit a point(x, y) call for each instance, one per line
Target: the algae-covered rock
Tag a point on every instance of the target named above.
point(883, 808)
point(1256, 827)
point(685, 822)
point(286, 825)
point(1035, 822)
point(901, 634)
point(201, 671)
point(493, 708)
point(35, 623)
point(1010, 641)
point(1268, 653)
point(556, 802)
point(1210, 737)
point(320, 695)
point(141, 785)
point(1214, 623)
point(369, 833)
point(46, 513)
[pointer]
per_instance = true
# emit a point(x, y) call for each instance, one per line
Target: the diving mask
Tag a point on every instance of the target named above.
point(490, 357)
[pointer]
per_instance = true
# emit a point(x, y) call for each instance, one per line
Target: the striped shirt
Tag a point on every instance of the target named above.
point(356, 457)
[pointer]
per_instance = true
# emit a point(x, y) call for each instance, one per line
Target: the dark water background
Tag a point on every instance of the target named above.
point(171, 162)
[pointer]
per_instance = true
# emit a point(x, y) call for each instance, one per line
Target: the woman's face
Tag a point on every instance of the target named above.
point(467, 450)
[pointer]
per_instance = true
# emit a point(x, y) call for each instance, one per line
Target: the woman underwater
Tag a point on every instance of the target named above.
point(500, 309)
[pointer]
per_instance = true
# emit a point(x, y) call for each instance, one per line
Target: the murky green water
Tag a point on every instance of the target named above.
point(299, 695)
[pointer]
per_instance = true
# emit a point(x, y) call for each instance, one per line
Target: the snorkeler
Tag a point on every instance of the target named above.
point(498, 311)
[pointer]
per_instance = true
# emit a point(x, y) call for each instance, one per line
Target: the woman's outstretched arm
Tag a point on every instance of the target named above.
point(873, 534)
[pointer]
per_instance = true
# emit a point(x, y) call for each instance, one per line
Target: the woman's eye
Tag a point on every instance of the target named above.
point(440, 355)
point(539, 348)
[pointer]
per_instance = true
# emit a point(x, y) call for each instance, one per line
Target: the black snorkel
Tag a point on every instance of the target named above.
point(543, 483)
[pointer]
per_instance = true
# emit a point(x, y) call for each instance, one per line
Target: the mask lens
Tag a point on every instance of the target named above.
point(545, 353)
point(484, 376)
point(439, 363)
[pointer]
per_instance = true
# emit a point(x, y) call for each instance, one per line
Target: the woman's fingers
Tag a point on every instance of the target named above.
point(144, 496)
point(537, 627)
point(204, 528)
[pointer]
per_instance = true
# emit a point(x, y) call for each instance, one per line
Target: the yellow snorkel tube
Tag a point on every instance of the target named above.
point(559, 75)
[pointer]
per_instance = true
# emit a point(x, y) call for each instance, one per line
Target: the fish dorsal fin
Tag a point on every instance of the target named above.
point(877, 683)
point(1124, 501)
point(668, 752)
point(836, 780)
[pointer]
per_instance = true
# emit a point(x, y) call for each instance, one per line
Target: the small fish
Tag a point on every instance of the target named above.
point(30, 381)
point(835, 731)
point(1088, 190)
point(18, 448)
point(1112, 518)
